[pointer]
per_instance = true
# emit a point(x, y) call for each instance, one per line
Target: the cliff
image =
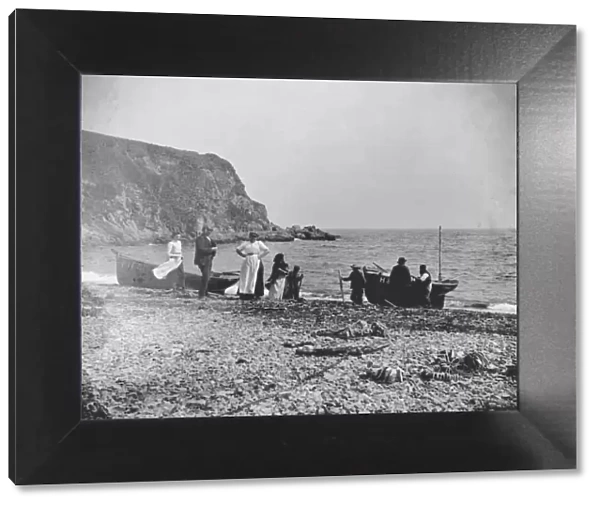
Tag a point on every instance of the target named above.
point(138, 192)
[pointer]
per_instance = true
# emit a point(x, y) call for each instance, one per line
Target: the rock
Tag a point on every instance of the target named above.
point(379, 330)
point(310, 233)
point(475, 361)
point(94, 411)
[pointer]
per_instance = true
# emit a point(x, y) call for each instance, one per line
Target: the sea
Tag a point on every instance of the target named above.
point(483, 261)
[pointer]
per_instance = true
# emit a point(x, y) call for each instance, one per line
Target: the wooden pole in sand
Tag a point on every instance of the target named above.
point(440, 254)
point(341, 284)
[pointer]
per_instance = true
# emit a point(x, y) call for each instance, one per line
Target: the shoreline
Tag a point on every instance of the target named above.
point(290, 234)
point(149, 354)
point(93, 279)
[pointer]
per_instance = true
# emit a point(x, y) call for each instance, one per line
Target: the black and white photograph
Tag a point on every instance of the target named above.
point(255, 247)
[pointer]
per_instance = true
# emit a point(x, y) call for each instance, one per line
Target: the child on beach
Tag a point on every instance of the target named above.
point(276, 281)
point(293, 282)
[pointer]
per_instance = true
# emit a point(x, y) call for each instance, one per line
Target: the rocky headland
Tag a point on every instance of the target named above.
point(134, 192)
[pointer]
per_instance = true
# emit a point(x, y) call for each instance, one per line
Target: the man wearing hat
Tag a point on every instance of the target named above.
point(400, 282)
point(357, 284)
point(206, 249)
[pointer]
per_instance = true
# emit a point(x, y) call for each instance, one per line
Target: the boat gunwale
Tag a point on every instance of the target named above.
point(446, 282)
point(219, 274)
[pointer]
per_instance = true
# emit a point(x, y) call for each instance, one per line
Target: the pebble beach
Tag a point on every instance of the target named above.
point(155, 354)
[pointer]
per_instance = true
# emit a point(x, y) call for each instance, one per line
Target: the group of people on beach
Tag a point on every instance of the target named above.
point(403, 285)
point(406, 289)
point(281, 284)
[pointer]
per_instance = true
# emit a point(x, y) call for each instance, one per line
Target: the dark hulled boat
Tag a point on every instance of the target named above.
point(378, 290)
point(131, 272)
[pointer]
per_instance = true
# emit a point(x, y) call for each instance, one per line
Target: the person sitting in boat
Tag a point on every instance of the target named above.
point(252, 252)
point(276, 281)
point(400, 282)
point(206, 250)
point(357, 284)
point(424, 284)
point(293, 282)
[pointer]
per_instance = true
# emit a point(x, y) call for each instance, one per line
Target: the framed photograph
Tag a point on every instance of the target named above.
point(251, 247)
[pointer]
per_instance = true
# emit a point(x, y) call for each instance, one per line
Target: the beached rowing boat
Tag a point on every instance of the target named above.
point(378, 290)
point(131, 272)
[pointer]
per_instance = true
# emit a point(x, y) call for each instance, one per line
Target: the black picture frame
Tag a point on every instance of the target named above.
point(49, 50)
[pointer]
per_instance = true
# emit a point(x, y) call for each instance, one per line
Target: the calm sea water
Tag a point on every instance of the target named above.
point(483, 261)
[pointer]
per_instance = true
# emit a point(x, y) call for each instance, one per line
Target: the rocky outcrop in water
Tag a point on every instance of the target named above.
point(310, 233)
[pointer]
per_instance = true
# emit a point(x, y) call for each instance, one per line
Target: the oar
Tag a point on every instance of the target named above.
point(379, 267)
point(230, 273)
point(341, 285)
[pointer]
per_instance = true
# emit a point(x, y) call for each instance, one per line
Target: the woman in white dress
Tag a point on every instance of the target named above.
point(276, 282)
point(174, 263)
point(252, 251)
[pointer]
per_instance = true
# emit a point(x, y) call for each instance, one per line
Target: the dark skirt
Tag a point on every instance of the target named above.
point(259, 288)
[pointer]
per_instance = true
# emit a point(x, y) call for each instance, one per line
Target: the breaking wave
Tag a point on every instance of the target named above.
point(503, 308)
point(98, 279)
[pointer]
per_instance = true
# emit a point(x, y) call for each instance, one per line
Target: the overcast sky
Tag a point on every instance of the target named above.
point(334, 154)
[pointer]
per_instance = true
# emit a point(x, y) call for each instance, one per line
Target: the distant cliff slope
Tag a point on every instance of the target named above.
point(138, 192)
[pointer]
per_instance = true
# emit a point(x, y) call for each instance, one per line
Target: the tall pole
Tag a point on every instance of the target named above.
point(440, 255)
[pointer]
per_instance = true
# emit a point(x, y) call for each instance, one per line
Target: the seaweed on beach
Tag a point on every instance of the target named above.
point(150, 354)
point(337, 313)
point(359, 328)
point(385, 374)
point(339, 351)
point(91, 304)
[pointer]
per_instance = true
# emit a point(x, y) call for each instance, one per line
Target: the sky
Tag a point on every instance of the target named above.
point(336, 154)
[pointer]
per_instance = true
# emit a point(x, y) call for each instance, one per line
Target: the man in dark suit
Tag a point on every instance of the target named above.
point(400, 282)
point(206, 249)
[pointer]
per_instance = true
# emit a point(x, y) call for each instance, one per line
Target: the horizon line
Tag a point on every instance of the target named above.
point(417, 228)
